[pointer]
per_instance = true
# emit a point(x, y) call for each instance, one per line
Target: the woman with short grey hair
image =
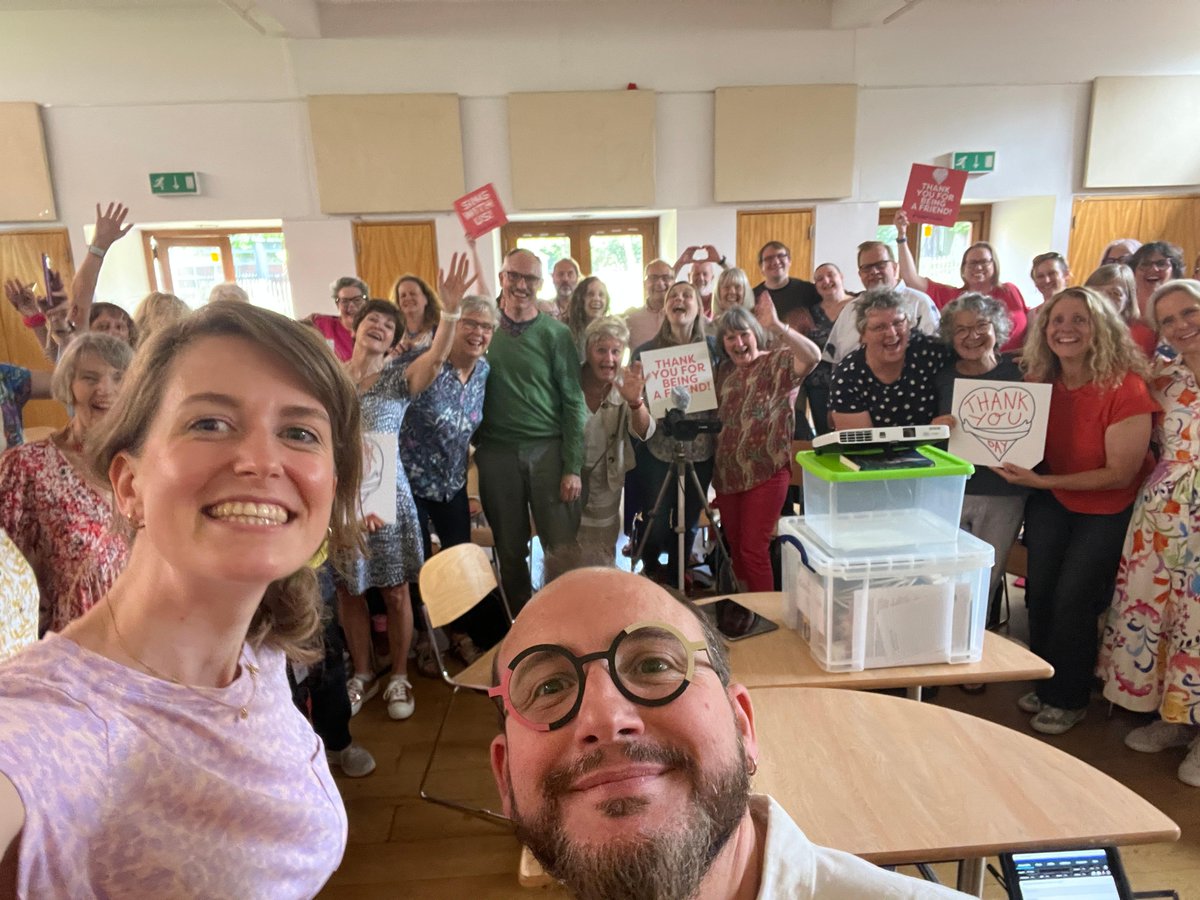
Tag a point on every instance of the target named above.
point(58, 517)
point(617, 412)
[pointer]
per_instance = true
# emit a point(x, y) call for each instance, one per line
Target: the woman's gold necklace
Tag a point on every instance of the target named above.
point(243, 710)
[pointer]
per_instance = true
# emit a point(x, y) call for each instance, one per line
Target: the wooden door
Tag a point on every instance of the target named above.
point(384, 251)
point(1098, 221)
point(21, 257)
point(791, 227)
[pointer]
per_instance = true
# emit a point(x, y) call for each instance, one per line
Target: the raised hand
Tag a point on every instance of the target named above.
point(21, 297)
point(764, 311)
point(453, 286)
point(109, 225)
point(711, 252)
point(901, 221)
point(632, 383)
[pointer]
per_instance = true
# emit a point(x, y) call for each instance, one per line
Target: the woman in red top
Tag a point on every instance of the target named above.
point(980, 272)
point(1097, 455)
point(757, 390)
point(1115, 281)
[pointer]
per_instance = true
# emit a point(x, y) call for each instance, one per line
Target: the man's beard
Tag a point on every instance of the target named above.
point(659, 865)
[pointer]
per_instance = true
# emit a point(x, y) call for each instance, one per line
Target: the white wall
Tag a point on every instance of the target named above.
point(194, 88)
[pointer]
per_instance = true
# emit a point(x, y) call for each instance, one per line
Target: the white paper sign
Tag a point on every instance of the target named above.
point(1000, 422)
point(679, 369)
point(378, 491)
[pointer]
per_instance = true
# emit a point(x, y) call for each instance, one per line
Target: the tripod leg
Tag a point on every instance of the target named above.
point(721, 548)
point(652, 517)
point(681, 553)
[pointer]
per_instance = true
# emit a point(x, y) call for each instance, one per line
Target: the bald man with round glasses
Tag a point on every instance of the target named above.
point(626, 755)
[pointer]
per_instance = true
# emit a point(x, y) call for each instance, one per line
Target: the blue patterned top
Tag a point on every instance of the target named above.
point(14, 394)
point(437, 430)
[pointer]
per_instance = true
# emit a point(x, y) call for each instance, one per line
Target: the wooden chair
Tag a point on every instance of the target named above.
point(453, 582)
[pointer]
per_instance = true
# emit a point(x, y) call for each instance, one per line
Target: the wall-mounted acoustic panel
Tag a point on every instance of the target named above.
point(387, 153)
point(606, 159)
point(788, 142)
point(1124, 151)
point(26, 193)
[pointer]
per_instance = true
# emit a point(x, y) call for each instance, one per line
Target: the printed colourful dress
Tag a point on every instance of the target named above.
point(1150, 652)
point(62, 526)
point(394, 555)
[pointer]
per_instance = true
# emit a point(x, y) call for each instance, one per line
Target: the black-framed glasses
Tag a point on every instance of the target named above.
point(880, 266)
point(513, 277)
point(359, 299)
point(775, 257)
point(651, 663)
point(979, 329)
point(1160, 265)
point(977, 263)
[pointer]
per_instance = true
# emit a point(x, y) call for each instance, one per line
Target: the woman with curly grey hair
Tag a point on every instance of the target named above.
point(976, 326)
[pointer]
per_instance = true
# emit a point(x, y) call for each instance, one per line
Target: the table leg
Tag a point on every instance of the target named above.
point(970, 876)
point(913, 693)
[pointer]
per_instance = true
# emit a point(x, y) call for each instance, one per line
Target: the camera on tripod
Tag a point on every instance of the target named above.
point(677, 427)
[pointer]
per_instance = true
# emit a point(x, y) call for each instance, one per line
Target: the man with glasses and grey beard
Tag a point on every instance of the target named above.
point(530, 443)
point(877, 269)
point(626, 755)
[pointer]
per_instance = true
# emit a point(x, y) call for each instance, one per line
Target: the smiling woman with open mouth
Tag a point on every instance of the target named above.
point(56, 513)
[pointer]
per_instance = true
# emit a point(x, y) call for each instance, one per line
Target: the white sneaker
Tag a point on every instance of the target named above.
point(355, 761)
point(360, 690)
point(1029, 703)
point(399, 697)
point(1189, 769)
point(1159, 735)
point(1054, 720)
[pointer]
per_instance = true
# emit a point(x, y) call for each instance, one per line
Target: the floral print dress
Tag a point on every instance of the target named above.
point(1150, 652)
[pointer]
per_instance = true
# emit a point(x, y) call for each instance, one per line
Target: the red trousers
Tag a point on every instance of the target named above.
point(748, 519)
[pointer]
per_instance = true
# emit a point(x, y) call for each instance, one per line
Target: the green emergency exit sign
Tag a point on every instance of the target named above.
point(168, 183)
point(978, 161)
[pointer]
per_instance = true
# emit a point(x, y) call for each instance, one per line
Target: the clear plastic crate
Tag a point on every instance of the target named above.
point(870, 610)
point(877, 510)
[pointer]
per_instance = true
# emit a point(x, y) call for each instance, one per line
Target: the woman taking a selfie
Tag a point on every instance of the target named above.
point(151, 748)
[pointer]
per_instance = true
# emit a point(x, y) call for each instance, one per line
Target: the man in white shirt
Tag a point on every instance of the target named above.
point(877, 268)
point(626, 757)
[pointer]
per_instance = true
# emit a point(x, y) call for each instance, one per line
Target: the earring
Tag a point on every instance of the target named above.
point(752, 769)
point(136, 521)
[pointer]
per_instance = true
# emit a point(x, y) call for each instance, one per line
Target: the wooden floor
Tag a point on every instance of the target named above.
point(401, 846)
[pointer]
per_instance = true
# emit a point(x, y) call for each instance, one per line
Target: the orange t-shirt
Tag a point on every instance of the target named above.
point(1075, 439)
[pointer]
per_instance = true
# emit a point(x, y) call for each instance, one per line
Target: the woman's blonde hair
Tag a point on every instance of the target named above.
point(1111, 356)
point(1189, 286)
point(289, 616)
point(739, 277)
point(114, 351)
point(433, 303)
point(156, 311)
point(610, 327)
point(1118, 274)
point(666, 337)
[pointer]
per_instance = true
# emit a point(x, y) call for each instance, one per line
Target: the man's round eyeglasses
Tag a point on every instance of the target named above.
point(359, 299)
point(651, 664)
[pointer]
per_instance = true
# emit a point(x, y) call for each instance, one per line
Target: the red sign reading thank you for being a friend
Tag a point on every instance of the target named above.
point(934, 194)
point(480, 211)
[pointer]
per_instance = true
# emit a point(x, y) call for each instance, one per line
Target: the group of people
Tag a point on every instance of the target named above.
point(218, 454)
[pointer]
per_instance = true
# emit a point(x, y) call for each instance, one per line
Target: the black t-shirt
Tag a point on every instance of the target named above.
point(909, 400)
point(796, 294)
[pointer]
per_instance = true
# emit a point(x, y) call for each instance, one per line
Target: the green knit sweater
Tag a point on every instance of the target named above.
point(533, 391)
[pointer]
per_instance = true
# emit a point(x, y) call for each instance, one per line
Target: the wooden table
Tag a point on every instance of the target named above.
point(897, 782)
point(782, 659)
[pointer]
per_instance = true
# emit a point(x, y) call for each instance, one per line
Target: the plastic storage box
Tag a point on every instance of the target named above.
point(861, 510)
point(869, 610)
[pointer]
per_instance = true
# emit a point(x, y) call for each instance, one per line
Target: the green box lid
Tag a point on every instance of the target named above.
point(829, 467)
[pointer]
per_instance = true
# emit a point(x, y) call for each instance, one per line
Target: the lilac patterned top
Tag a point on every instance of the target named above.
point(437, 430)
point(138, 787)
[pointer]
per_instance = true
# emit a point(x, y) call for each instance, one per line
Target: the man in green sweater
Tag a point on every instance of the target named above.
point(530, 443)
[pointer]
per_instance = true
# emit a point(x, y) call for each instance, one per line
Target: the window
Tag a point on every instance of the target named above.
point(189, 263)
point(614, 250)
point(939, 249)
